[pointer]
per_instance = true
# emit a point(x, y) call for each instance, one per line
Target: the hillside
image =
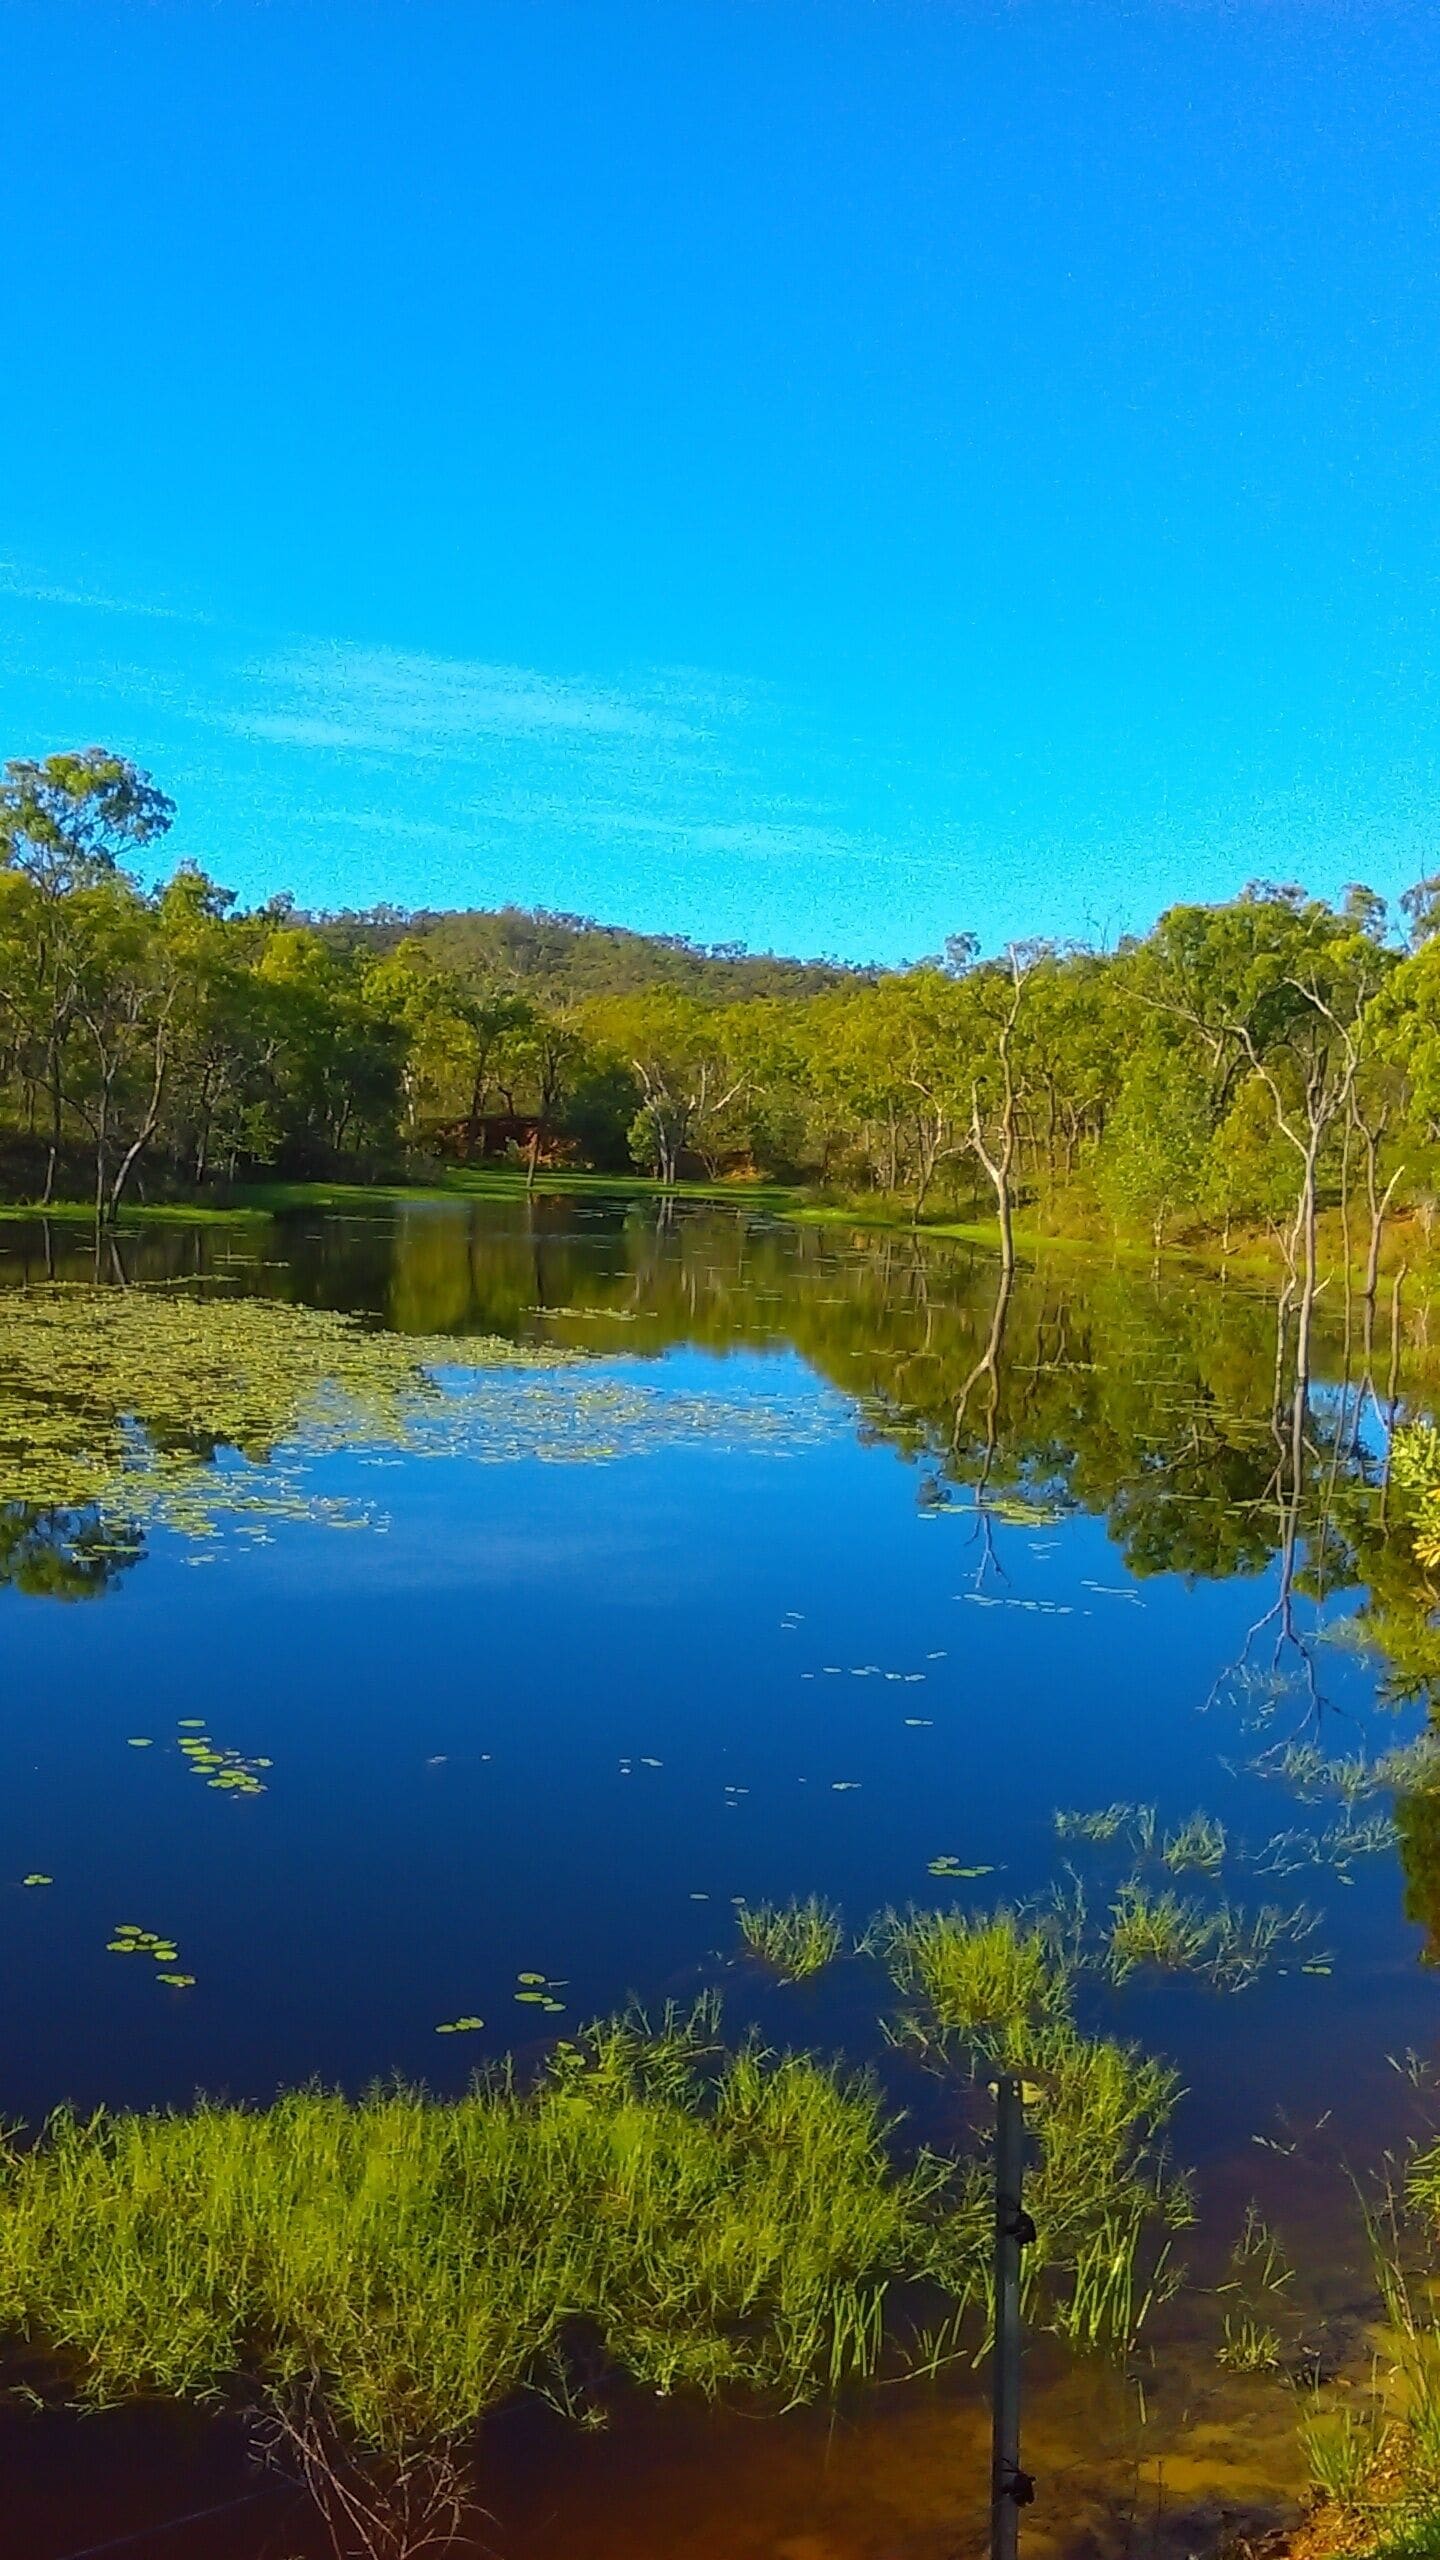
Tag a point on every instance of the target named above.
point(570, 956)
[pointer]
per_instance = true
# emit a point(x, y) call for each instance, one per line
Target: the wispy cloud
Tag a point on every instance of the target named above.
point(33, 589)
point(334, 696)
point(355, 771)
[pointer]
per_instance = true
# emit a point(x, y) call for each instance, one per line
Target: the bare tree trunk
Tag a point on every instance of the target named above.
point(56, 1111)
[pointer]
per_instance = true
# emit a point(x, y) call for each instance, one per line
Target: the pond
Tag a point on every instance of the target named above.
point(820, 1564)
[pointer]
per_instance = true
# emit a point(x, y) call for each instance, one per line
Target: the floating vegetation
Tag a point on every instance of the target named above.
point(796, 1939)
point(228, 1770)
point(127, 1401)
point(952, 1868)
point(714, 2221)
point(537, 1991)
point(460, 2027)
point(130, 1940)
point(37, 1879)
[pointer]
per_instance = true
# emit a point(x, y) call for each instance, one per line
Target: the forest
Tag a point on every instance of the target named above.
point(1264, 1068)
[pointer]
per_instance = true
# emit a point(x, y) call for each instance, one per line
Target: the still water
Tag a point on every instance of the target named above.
point(826, 1562)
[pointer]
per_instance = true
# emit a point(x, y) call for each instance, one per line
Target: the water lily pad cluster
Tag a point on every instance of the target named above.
point(537, 1991)
point(136, 1403)
point(131, 1940)
point(228, 1770)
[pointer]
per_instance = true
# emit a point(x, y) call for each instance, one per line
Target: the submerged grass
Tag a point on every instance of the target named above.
point(713, 2220)
point(796, 1939)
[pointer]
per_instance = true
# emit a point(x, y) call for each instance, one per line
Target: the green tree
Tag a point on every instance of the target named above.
point(67, 824)
point(1154, 1160)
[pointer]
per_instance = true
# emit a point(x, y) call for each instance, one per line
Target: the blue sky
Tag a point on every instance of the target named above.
point(823, 475)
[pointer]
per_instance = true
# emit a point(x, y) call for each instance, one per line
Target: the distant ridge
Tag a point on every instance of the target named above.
point(570, 956)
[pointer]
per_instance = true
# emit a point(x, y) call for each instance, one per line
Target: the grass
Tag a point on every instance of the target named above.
point(1227, 1947)
point(714, 2221)
point(1104, 2205)
point(184, 1213)
point(796, 1939)
point(505, 1182)
point(1133, 1822)
point(1376, 2469)
point(1248, 2345)
point(708, 2220)
point(989, 1977)
point(1199, 1843)
point(1159, 1930)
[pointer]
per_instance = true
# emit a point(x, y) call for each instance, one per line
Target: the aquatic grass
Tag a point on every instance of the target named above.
point(988, 1975)
point(796, 1939)
point(998, 1987)
point(1248, 2345)
point(1098, 1828)
point(1157, 1929)
point(1225, 1946)
point(716, 2221)
point(1105, 2205)
point(1199, 1843)
point(1246, 1944)
point(1338, 1846)
point(1312, 1774)
point(1136, 1823)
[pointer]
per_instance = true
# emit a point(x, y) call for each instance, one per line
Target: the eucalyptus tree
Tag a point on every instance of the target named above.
point(689, 1063)
point(67, 825)
point(1275, 987)
point(999, 994)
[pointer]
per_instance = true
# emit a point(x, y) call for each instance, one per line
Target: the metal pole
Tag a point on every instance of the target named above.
point(1010, 2487)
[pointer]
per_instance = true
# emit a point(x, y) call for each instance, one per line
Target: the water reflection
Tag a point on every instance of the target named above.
point(534, 1718)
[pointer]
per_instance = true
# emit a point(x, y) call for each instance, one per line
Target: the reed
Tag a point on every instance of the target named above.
point(998, 1988)
point(989, 1976)
point(1200, 1843)
point(796, 1939)
point(1226, 1946)
point(715, 2221)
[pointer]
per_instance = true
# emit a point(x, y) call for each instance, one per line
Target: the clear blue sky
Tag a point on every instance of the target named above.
point(823, 475)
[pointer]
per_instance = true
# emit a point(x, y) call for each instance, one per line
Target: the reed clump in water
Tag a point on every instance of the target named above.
point(796, 1939)
point(996, 1990)
point(1226, 1946)
point(986, 1977)
point(1375, 2457)
point(714, 2220)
